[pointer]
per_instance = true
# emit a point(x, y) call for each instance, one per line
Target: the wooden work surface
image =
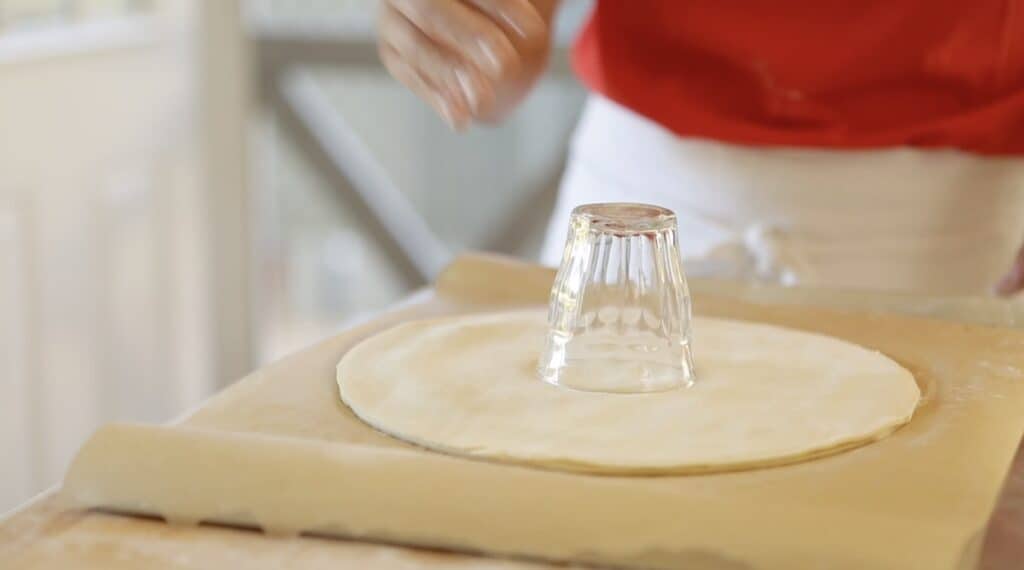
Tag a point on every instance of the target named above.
point(47, 535)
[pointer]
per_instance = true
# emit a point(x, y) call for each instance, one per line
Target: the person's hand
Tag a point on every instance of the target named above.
point(471, 60)
point(1013, 281)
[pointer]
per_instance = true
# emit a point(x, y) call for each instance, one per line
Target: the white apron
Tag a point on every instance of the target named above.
point(937, 221)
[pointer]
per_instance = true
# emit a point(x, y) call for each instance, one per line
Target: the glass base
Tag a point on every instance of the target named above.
point(617, 376)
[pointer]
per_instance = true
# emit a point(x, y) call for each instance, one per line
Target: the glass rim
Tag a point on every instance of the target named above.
point(623, 218)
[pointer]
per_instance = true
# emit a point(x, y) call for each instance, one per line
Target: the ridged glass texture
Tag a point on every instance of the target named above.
point(619, 318)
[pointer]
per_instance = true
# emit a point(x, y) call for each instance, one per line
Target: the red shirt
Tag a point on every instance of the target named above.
point(816, 73)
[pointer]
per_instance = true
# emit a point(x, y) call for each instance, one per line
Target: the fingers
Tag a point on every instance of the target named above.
point(469, 59)
point(1013, 281)
point(462, 31)
point(520, 17)
point(465, 91)
point(457, 117)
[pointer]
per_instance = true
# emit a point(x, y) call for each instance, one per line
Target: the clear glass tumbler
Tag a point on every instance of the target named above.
point(620, 315)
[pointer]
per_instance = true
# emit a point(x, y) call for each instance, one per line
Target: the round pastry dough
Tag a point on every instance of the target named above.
point(765, 395)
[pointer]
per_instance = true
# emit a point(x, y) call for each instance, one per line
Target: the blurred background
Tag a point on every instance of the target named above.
point(190, 189)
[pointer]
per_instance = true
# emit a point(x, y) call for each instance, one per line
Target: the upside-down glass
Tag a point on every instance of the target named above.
point(619, 317)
